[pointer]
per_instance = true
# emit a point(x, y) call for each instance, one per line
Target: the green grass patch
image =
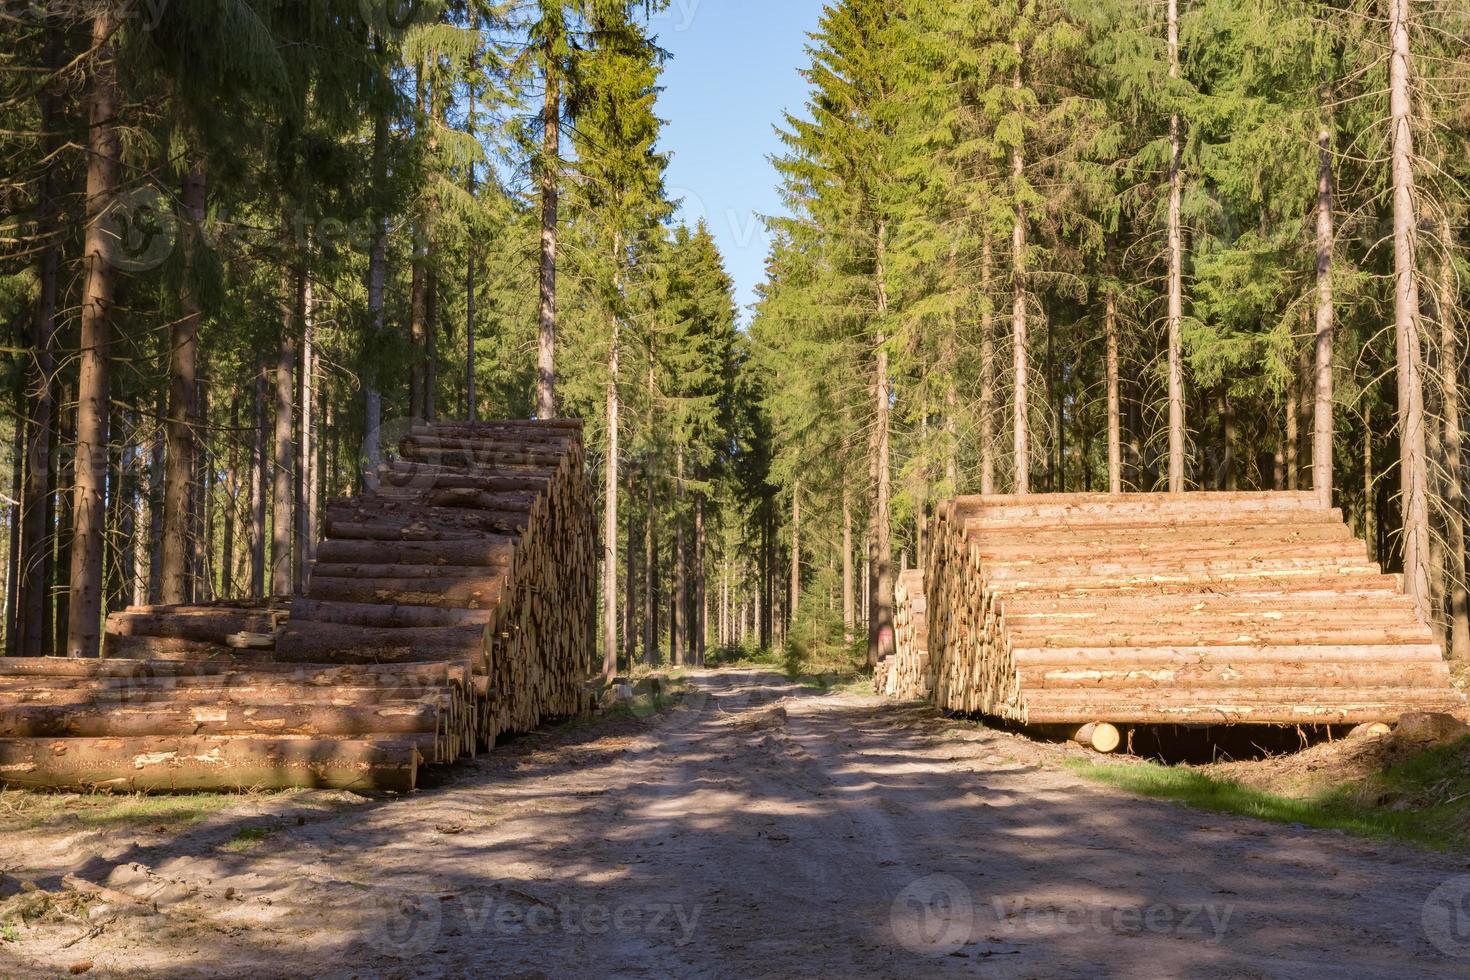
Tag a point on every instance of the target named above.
point(9, 933)
point(248, 838)
point(22, 810)
point(1424, 800)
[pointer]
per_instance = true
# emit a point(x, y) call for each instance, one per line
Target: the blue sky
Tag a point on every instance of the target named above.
point(733, 73)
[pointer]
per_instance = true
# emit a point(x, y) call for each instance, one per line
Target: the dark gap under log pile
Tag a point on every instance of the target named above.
point(1208, 608)
point(448, 607)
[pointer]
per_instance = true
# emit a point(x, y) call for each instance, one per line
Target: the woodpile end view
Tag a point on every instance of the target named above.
point(1203, 609)
point(448, 606)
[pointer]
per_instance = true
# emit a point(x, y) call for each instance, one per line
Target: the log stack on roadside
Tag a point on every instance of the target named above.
point(906, 675)
point(449, 606)
point(1197, 609)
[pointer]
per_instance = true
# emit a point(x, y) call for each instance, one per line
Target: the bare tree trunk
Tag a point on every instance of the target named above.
point(987, 369)
point(232, 497)
point(1019, 339)
point(701, 592)
point(1457, 598)
point(796, 549)
point(679, 607)
point(1115, 397)
point(550, 207)
point(1176, 273)
point(610, 517)
point(1413, 466)
point(418, 329)
point(84, 627)
point(1323, 429)
point(630, 597)
point(880, 622)
point(259, 478)
point(282, 579)
point(431, 341)
point(306, 468)
point(34, 558)
point(1370, 531)
point(471, 401)
point(200, 487)
point(650, 560)
point(13, 512)
point(849, 614)
point(377, 279)
point(182, 399)
point(1293, 426)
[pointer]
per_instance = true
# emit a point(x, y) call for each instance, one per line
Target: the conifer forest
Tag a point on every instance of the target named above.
point(374, 399)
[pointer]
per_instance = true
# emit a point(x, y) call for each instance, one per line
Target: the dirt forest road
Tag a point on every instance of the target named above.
point(760, 830)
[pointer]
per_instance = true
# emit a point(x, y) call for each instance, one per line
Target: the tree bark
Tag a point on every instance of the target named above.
point(1019, 340)
point(259, 477)
point(282, 579)
point(650, 560)
point(796, 549)
point(306, 513)
point(1323, 428)
point(550, 207)
point(679, 604)
point(1115, 397)
point(987, 370)
point(880, 621)
point(849, 613)
point(84, 628)
point(1457, 597)
point(377, 279)
point(1176, 273)
point(610, 516)
point(1414, 470)
point(232, 498)
point(471, 402)
point(33, 559)
point(701, 591)
point(179, 458)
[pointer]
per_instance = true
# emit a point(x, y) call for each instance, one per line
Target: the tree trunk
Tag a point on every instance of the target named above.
point(282, 579)
point(182, 398)
point(1414, 469)
point(796, 550)
point(259, 477)
point(84, 628)
point(1323, 430)
point(1176, 273)
point(13, 560)
point(306, 514)
point(849, 614)
point(232, 498)
point(471, 402)
point(701, 592)
point(987, 370)
point(550, 206)
point(1019, 340)
point(679, 604)
point(34, 558)
point(377, 279)
point(610, 517)
point(1293, 425)
point(880, 622)
point(1457, 598)
point(630, 599)
point(650, 560)
point(431, 341)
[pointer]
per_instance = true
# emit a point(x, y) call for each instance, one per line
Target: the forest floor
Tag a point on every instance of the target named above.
point(759, 828)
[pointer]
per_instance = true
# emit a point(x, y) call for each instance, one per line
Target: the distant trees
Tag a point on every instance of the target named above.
point(1176, 209)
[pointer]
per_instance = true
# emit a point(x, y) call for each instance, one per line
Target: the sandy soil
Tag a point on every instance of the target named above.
point(760, 830)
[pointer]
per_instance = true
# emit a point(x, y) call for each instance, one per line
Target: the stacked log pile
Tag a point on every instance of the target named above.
point(449, 606)
point(479, 544)
point(1152, 609)
point(906, 675)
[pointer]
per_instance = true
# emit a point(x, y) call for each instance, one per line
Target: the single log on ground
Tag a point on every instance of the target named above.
point(193, 764)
